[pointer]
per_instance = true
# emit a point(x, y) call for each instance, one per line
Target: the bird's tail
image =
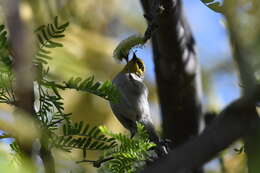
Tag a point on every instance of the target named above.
point(160, 149)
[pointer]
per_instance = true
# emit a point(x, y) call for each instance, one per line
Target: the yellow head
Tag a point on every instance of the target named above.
point(136, 65)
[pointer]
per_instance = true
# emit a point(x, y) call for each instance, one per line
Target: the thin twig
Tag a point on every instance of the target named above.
point(96, 163)
point(3, 136)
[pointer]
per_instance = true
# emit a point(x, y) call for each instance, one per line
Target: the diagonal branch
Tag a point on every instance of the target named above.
point(235, 121)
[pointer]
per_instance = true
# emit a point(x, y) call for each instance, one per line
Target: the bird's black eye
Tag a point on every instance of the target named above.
point(140, 65)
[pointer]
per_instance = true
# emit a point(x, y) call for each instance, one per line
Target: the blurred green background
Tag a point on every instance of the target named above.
point(96, 27)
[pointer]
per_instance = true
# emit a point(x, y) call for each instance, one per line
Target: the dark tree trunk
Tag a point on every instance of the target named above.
point(178, 81)
point(177, 70)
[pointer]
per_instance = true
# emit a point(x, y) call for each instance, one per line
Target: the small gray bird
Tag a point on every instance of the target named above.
point(133, 104)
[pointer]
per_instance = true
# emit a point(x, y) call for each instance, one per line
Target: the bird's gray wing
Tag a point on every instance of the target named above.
point(133, 104)
point(124, 109)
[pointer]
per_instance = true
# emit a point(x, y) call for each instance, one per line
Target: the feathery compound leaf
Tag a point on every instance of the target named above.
point(62, 26)
point(123, 48)
point(6, 88)
point(5, 59)
point(213, 5)
point(105, 90)
point(130, 154)
point(216, 6)
point(46, 35)
point(17, 152)
point(50, 107)
point(77, 136)
point(2, 28)
point(207, 1)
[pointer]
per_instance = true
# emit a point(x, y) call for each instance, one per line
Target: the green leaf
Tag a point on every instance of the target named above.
point(40, 39)
point(44, 34)
point(67, 140)
point(53, 34)
point(100, 145)
point(80, 144)
point(65, 131)
point(65, 25)
point(53, 44)
point(207, 1)
point(47, 37)
point(85, 129)
point(128, 154)
point(56, 22)
point(77, 80)
point(55, 90)
point(92, 131)
point(44, 56)
point(106, 90)
point(2, 27)
point(216, 7)
point(93, 145)
point(97, 131)
point(41, 60)
point(44, 51)
point(3, 42)
point(96, 85)
point(80, 126)
point(86, 145)
point(39, 28)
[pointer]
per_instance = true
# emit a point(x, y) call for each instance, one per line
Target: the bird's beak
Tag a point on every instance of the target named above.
point(134, 57)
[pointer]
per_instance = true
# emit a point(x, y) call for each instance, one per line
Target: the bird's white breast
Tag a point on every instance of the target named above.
point(133, 98)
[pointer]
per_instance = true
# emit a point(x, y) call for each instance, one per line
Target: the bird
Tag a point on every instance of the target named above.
point(133, 105)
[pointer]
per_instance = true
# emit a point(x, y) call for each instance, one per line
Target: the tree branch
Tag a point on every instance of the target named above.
point(47, 159)
point(236, 121)
point(22, 56)
point(243, 59)
point(22, 49)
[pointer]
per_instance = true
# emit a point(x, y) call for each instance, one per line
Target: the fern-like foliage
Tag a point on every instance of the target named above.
point(48, 105)
point(129, 155)
point(105, 90)
point(6, 88)
point(82, 136)
point(6, 77)
point(48, 38)
point(6, 62)
point(17, 154)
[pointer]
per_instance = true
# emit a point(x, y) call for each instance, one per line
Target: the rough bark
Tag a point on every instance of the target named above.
point(176, 69)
